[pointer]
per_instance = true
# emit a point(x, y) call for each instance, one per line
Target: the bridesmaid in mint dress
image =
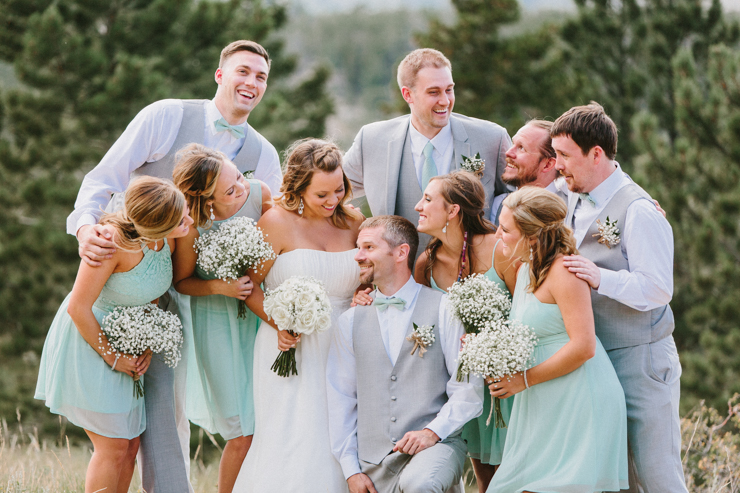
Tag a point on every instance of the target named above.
point(568, 426)
point(75, 379)
point(451, 206)
point(219, 393)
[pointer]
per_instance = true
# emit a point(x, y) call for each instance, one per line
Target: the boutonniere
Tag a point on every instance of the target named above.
point(249, 175)
point(422, 337)
point(474, 165)
point(608, 233)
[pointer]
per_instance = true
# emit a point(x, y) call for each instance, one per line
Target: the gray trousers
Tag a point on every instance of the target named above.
point(437, 469)
point(650, 376)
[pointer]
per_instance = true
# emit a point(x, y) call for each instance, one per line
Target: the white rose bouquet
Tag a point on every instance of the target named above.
point(227, 253)
point(134, 329)
point(476, 300)
point(299, 305)
point(499, 350)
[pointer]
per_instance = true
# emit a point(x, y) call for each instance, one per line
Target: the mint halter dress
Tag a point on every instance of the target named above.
point(486, 443)
point(220, 396)
point(568, 434)
point(75, 381)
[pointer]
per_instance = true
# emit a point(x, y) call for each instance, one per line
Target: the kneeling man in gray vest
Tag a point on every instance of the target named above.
point(395, 407)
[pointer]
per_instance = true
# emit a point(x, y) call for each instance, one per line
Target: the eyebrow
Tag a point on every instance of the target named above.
point(249, 67)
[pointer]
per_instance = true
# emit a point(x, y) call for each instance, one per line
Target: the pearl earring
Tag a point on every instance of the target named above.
point(213, 217)
point(444, 230)
point(300, 207)
point(531, 254)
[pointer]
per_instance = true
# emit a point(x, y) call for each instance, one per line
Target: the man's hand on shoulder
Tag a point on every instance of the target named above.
point(584, 269)
point(360, 483)
point(95, 244)
point(414, 442)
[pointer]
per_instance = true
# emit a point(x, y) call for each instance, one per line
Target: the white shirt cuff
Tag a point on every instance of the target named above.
point(440, 427)
point(86, 220)
point(609, 283)
point(350, 466)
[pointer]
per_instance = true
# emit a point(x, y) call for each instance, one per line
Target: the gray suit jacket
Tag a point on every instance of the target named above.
point(373, 163)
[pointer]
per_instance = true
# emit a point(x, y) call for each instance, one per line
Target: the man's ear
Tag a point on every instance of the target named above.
point(598, 154)
point(406, 93)
point(549, 164)
point(218, 76)
point(402, 252)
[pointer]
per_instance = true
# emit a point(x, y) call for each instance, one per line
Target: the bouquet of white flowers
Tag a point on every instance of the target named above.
point(299, 305)
point(476, 300)
point(227, 253)
point(499, 350)
point(134, 329)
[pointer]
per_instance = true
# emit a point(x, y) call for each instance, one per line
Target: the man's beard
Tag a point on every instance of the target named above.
point(520, 179)
point(367, 277)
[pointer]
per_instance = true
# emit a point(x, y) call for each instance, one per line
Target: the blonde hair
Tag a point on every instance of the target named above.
point(243, 45)
point(196, 174)
point(306, 157)
point(540, 215)
point(152, 209)
point(417, 60)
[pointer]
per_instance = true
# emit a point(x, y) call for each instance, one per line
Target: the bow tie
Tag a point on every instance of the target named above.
point(587, 198)
point(237, 131)
point(383, 303)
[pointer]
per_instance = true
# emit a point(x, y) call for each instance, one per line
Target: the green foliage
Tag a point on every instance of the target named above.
point(695, 174)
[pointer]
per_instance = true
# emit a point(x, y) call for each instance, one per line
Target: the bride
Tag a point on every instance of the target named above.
point(314, 234)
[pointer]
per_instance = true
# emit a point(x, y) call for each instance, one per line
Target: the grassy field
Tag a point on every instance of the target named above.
point(711, 457)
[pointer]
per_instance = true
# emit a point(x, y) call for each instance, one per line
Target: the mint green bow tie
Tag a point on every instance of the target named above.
point(383, 303)
point(587, 198)
point(223, 126)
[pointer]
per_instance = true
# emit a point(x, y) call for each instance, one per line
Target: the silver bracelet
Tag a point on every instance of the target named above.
point(526, 384)
point(113, 368)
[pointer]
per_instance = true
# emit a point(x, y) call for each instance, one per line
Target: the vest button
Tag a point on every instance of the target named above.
point(393, 378)
point(394, 440)
point(393, 419)
point(393, 397)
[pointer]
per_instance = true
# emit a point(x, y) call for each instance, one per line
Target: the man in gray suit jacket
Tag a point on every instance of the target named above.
point(390, 162)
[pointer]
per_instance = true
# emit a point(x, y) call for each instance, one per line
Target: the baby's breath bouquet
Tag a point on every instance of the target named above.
point(299, 305)
point(499, 350)
point(476, 300)
point(228, 252)
point(134, 329)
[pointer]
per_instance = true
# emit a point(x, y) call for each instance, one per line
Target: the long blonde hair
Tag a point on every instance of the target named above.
point(306, 157)
point(152, 209)
point(196, 173)
point(540, 216)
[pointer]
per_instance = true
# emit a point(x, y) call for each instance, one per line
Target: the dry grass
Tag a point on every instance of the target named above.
point(711, 458)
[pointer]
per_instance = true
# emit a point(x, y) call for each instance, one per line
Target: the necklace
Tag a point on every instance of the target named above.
point(463, 255)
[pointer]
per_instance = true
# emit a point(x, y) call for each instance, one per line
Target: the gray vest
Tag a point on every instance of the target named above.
point(618, 325)
point(392, 400)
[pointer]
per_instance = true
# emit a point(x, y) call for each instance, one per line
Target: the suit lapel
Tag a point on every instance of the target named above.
point(393, 166)
point(460, 142)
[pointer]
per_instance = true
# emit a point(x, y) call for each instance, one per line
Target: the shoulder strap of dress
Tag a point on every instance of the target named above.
point(493, 255)
point(255, 193)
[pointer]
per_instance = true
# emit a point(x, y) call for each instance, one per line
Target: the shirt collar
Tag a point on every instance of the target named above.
point(407, 292)
point(607, 188)
point(212, 115)
point(440, 141)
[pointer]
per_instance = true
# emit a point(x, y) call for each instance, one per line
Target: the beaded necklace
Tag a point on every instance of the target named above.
point(463, 255)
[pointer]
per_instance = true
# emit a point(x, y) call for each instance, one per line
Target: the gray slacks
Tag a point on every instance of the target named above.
point(650, 376)
point(437, 469)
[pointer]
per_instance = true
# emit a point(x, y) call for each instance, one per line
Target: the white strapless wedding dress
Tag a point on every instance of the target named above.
point(291, 451)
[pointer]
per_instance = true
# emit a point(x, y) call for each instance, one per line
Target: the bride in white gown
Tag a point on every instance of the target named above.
point(314, 235)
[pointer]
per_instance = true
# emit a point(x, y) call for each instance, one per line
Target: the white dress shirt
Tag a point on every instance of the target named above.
point(646, 241)
point(148, 138)
point(465, 398)
point(443, 153)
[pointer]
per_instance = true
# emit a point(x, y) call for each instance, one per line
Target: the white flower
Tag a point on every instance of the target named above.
point(476, 301)
point(608, 233)
point(474, 164)
point(299, 304)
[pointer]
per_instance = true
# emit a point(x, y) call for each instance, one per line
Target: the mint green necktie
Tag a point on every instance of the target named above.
point(382, 304)
point(429, 170)
point(587, 198)
point(223, 126)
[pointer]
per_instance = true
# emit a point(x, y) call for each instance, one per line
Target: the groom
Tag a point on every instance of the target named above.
point(395, 414)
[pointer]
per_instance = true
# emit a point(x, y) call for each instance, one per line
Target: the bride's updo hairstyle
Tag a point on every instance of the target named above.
point(306, 157)
point(540, 215)
point(152, 209)
point(464, 189)
point(196, 173)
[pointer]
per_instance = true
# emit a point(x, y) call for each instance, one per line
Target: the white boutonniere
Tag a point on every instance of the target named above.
point(422, 337)
point(249, 175)
point(608, 233)
point(474, 165)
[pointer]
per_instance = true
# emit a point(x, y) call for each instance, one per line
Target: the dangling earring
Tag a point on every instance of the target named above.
point(531, 253)
point(444, 230)
point(155, 246)
point(213, 217)
point(300, 207)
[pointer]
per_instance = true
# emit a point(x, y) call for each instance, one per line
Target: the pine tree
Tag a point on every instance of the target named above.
point(695, 173)
point(87, 67)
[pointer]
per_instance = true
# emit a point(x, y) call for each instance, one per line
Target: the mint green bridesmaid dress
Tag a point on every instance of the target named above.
point(486, 442)
point(568, 434)
point(224, 351)
point(75, 381)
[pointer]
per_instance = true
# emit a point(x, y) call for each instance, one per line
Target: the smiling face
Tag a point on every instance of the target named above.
point(230, 187)
point(431, 100)
point(242, 81)
point(577, 169)
point(324, 193)
point(375, 256)
point(511, 236)
point(523, 159)
point(433, 211)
